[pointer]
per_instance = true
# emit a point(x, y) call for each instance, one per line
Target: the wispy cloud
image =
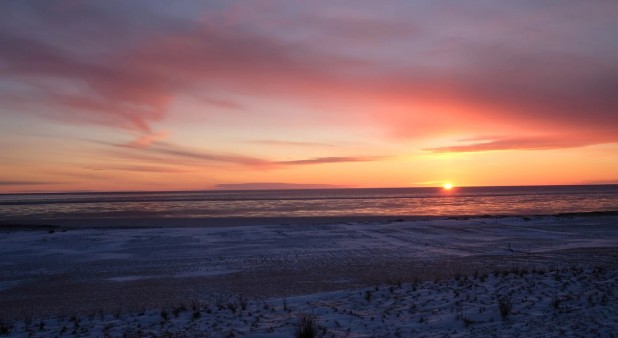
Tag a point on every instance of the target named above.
point(521, 143)
point(146, 140)
point(325, 160)
point(17, 183)
point(175, 154)
point(290, 143)
point(139, 168)
point(131, 86)
point(160, 155)
point(170, 150)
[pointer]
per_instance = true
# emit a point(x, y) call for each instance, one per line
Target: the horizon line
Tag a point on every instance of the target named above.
point(292, 189)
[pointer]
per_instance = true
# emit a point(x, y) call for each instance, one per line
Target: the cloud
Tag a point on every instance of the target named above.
point(131, 86)
point(550, 89)
point(521, 143)
point(140, 168)
point(325, 160)
point(112, 95)
point(157, 151)
point(495, 72)
point(290, 143)
point(362, 27)
point(223, 103)
point(11, 183)
point(600, 182)
point(146, 140)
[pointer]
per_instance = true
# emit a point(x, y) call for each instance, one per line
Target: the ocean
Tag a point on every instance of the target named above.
point(166, 207)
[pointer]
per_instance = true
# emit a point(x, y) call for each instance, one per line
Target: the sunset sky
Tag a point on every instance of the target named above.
point(192, 95)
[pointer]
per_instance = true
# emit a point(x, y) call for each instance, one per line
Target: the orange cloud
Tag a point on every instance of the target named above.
point(290, 143)
point(18, 183)
point(146, 140)
point(157, 150)
point(323, 160)
point(521, 143)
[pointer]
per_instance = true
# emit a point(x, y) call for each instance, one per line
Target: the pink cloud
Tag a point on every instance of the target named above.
point(147, 139)
point(480, 85)
point(325, 160)
point(521, 143)
point(131, 88)
point(113, 95)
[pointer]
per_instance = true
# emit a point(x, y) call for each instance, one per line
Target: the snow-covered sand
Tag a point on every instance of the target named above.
point(557, 303)
point(434, 277)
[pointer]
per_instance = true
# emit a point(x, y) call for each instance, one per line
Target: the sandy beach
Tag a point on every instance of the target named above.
point(112, 278)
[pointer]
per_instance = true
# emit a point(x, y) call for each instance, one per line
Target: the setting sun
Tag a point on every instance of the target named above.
point(447, 186)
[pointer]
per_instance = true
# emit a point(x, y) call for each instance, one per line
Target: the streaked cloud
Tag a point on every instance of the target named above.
point(139, 168)
point(146, 140)
point(17, 183)
point(518, 143)
point(170, 150)
point(290, 143)
point(326, 160)
point(159, 149)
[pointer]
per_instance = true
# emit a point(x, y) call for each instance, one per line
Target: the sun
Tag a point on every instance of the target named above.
point(447, 186)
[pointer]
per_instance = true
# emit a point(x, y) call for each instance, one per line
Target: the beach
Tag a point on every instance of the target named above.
point(116, 277)
point(176, 169)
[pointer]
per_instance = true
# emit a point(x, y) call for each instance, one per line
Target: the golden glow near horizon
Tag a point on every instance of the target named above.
point(447, 186)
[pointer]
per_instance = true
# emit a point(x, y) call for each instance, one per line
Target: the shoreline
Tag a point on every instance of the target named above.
point(26, 223)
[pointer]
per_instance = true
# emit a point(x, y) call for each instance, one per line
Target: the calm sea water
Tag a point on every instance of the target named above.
point(312, 203)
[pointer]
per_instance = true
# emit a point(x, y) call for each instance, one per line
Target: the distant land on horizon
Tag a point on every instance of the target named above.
point(276, 186)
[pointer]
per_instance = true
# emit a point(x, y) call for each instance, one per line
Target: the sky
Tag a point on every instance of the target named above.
point(191, 95)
